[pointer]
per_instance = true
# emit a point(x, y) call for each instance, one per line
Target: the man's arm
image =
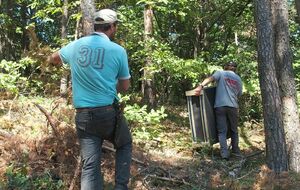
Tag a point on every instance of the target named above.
point(202, 84)
point(54, 59)
point(123, 85)
point(241, 89)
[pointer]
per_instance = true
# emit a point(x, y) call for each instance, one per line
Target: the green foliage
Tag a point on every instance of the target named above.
point(174, 76)
point(165, 61)
point(19, 178)
point(10, 77)
point(202, 149)
point(295, 45)
point(174, 67)
point(250, 107)
point(145, 124)
point(25, 76)
point(296, 66)
point(190, 40)
point(139, 114)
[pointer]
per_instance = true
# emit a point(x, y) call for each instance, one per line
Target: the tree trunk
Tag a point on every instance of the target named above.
point(148, 82)
point(283, 63)
point(77, 29)
point(197, 41)
point(25, 39)
point(7, 49)
point(65, 77)
point(64, 20)
point(276, 154)
point(297, 2)
point(88, 11)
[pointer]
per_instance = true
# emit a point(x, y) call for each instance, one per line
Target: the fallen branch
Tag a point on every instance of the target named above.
point(10, 107)
point(248, 173)
point(49, 117)
point(169, 179)
point(56, 103)
point(146, 183)
point(139, 172)
point(235, 170)
point(76, 174)
point(255, 153)
point(257, 123)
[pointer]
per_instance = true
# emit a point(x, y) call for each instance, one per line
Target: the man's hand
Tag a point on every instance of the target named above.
point(197, 91)
point(54, 59)
point(202, 84)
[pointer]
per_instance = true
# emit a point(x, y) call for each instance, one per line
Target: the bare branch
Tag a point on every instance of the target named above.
point(49, 117)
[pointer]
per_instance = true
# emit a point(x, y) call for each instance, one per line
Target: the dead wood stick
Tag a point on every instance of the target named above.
point(49, 117)
point(257, 123)
point(113, 150)
point(170, 179)
point(11, 105)
point(139, 172)
point(244, 159)
point(254, 153)
point(235, 170)
point(76, 174)
point(248, 173)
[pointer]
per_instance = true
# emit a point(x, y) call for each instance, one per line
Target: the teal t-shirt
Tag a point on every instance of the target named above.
point(96, 66)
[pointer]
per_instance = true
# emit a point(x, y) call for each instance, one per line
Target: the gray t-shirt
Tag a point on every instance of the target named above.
point(229, 88)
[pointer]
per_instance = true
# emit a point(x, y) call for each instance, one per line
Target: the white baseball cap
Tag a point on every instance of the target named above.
point(105, 16)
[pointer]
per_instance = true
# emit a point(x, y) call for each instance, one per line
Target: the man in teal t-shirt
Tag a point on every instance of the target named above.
point(99, 70)
point(96, 64)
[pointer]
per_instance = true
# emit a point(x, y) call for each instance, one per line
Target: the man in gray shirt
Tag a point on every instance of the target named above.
point(229, 88)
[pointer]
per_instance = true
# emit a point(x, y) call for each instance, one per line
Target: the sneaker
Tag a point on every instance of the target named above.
point(225, 154)
point(237, 153)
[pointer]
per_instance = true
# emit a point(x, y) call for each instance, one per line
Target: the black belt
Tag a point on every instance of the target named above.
point(94, 108)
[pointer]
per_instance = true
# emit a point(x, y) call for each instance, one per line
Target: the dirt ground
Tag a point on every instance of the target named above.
point(30, 143)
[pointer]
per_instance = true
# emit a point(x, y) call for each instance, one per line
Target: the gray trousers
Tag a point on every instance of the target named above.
point(227, 121)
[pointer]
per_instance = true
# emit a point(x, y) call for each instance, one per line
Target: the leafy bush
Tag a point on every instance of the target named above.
point(172, 75)
point(144, 123)
point(250, 107)
point(147, 123)
point(29, 75)
point(18, 178)
point(10, 77)
point(17, 76)
point(139, 114)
